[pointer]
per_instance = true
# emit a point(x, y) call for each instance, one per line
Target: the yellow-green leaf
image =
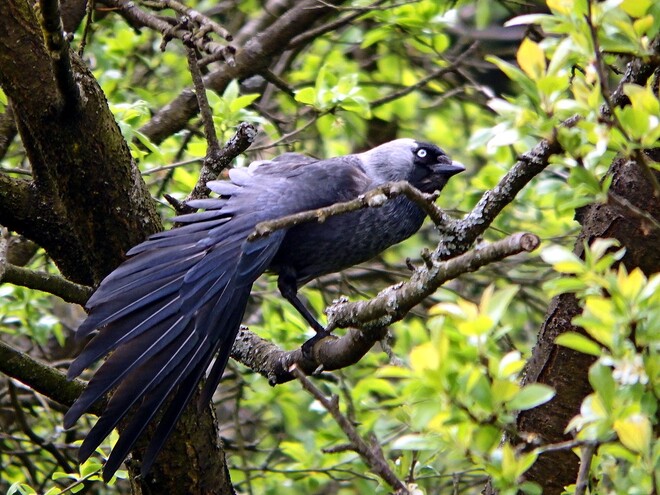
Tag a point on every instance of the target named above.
point(634, 432)
point(635, 8)
point(579, 342)
point(424, 356)
point(531, 59)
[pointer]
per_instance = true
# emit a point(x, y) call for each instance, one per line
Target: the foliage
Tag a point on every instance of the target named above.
point(439, 407)
point(620, 319)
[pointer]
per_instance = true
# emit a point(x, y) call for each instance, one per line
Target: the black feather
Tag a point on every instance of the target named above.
point(176, 304)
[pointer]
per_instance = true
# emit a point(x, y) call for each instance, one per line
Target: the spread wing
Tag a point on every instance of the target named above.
point(177, 302)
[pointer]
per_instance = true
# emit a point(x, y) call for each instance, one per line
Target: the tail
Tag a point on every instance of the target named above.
point(163, 316)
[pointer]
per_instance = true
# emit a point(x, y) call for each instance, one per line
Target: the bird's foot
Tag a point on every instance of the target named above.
point(308, 347)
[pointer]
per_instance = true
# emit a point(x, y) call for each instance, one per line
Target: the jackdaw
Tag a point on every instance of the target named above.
point(177, 302)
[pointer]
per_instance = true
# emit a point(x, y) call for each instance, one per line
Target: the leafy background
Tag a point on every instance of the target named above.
point(439, 403)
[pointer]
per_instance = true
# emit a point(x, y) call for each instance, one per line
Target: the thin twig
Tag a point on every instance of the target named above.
point(312, 34)
point(370, 454)
point(430, 77)
point(272, 78)
point(88, 24)
point(286, 137)
point(213, 146)
point(34, 438)
point(374, 199)
point(586, 456)
point(171, 166)
point(138, 17)
point(639, 157)
point(244, 137)
point(204, 21)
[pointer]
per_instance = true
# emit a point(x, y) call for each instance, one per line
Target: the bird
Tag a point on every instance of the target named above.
point(176, 304)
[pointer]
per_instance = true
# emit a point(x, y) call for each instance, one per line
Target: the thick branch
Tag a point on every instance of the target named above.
point(58, 51)
point(46, 282)
point(395, 302)
point(48, 381)
point(369, 319)
point(461, 235)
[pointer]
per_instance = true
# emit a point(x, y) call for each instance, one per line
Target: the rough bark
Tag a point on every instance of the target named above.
point(86, 203)
point(564, 369)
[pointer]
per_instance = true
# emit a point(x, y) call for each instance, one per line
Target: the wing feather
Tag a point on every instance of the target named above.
point(178, 301)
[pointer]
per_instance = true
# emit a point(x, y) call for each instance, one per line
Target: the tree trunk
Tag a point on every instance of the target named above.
point(564, 369)
point(86, 205)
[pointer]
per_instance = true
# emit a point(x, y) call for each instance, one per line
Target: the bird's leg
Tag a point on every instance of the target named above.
point(288, 287)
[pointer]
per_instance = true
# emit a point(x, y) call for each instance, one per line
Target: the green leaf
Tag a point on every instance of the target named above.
point(563, 285)
point(531, 396)
point(531, 59)
point(231, 91)
point(579, 342)
point(295, 450)
point(600, 378)
point(499, 302)
point(306, 95)
point(414, 442)
point(20, 488)
point(585, 178)
point(242, 102)
point(562, 259)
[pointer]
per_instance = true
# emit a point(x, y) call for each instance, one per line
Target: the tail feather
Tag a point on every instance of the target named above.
point(139, 386)
point(163, 316)
point(124, 305)
point(142, 417)
point(137, 280)
point(109, 338)
point(123, 361)
point(187, 387)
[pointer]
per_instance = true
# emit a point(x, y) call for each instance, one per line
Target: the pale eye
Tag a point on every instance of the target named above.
point(421, 153)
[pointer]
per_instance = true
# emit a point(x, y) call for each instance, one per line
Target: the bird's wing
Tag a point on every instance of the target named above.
point(178, 301)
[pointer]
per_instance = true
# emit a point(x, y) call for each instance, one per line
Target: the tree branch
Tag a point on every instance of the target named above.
point(372, 455)
point(245, 134)
point(369, 319)
point(256, 55)
point(47, 381)
point(371, 199)
point(439, 72)
point(58, 51)
point(393, 303)
point(312, 34)
point(46, 282)
point(170, 28)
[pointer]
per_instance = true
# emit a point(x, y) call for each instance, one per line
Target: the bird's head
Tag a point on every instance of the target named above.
point(424, 165)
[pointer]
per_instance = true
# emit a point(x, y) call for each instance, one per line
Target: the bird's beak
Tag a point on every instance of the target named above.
point(448, 168)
